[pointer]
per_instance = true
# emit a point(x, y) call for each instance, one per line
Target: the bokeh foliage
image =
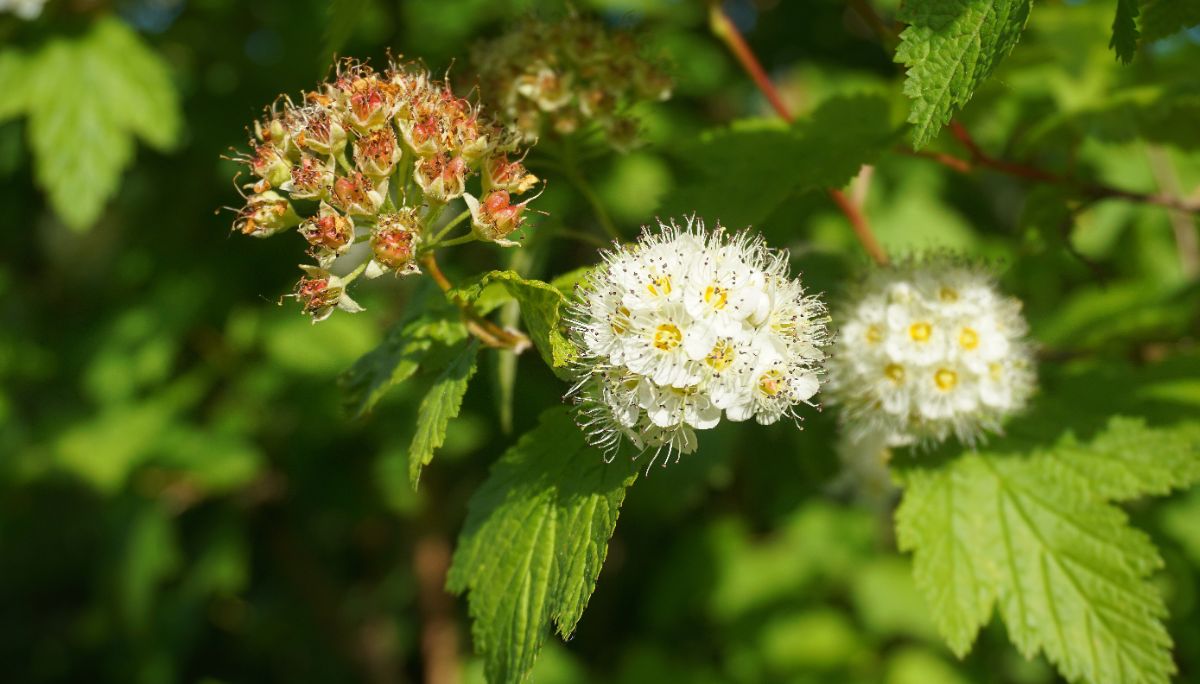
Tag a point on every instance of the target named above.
point(184, 498)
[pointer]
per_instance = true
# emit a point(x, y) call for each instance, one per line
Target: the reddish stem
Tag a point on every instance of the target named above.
point(724, 29)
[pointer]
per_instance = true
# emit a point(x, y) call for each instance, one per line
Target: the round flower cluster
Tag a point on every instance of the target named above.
point(372, 159)
point(686, 324)
point(561, 75)
point(930, 349)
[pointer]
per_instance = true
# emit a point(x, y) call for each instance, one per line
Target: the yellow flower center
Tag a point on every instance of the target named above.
point(945, 379)
point(721, 356)
point(920, 332)
point(620, 321)
point(716, 296)
point(874, 334)
point(667, 337)
point(968, 339)
point(659, 286)
point(894, 372)
point(995, 370)
point(770, 383)
point(948, 294)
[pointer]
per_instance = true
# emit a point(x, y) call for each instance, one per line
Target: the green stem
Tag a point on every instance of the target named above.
point(570, 169)
point(437, 239)
point(460, 240)
point(353, 275)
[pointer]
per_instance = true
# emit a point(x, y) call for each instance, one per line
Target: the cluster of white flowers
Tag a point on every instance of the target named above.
point(930, 349)
point(687, 324)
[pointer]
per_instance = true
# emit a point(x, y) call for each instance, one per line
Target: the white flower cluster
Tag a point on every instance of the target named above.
point(930, 349)
point(686, 324)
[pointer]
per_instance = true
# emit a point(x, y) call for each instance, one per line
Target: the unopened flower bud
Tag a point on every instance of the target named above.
point(266, 214)
point(440, 178)
point(377, 153)
point(501, 174)
point(496, 217)
point(357, 195)
point(395, 241)
point(328, 232)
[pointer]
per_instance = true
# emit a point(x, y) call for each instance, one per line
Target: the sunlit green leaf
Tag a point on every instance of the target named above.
point(949, 48)
point(535, 539)
point(441, 405)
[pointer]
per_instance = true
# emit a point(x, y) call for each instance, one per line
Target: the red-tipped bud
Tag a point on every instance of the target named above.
point(395, 241)
point(496, 217)
point(501, 174)
point(328, 232)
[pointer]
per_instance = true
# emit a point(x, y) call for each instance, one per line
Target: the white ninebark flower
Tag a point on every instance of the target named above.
point(687, 325)
point(929, 349)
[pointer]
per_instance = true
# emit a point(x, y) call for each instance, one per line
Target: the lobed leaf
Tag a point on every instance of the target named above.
point(950, 47)
point(1035, 534)
point(86, 99)
point(535, 539)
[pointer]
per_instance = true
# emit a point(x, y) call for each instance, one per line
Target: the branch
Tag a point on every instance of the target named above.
point(725, 30)
point(488, 332)
point(439, 634)
point(978, 158)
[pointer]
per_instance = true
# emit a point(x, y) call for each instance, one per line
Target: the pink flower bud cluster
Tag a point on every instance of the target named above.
point(562, 76)
point(372, 158)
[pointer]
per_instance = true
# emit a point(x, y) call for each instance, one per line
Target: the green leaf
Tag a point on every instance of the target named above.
point(935, 521)
point(1034, 534)
point(1125, 31)
point(439, 406)
point(541, 309)
point(535, 539)
point(400, 354)
point(1162, 18)
point(14, 67)
point(86, 101)
point(1130, 460)
point(950, 47)
point(743, 173)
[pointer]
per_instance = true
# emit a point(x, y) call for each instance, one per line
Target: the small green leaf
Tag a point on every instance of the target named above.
point(400, 354)
point(1162, 18)
point(541, 309)
point(1125, 31)
point(86, 100)
point(950, 47)
point(439, 407)
point(535, 539)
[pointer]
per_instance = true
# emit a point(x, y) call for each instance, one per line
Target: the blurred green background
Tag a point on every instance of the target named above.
point(183, 500)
